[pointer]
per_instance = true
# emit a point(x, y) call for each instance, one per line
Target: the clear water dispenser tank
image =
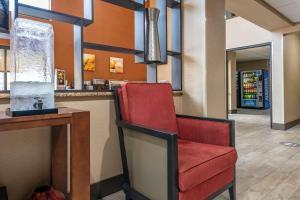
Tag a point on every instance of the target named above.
point(32, 67)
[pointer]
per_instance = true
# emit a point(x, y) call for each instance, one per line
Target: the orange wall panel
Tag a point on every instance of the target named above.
point(131, 72)
point(113, 26)
point(64, 48)
point(5, 42)
point(70, 7)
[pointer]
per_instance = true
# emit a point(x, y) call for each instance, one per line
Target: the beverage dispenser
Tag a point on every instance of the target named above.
point(32, 68)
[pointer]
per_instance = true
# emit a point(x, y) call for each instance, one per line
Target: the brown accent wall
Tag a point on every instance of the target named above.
point(253, 65)
point(113, 26)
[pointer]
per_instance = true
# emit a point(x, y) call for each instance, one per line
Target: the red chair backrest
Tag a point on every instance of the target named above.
point(148, 105)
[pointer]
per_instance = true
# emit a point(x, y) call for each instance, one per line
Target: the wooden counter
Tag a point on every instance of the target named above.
point(79, 122)
point(66, 94)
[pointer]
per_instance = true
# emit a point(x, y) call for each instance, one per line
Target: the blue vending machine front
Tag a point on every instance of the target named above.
point(252, 89)
point(238, 89)
point(266, 90)
point(248, 89)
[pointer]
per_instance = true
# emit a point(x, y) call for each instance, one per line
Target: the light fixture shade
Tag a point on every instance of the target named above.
point(32, 66)
point(152, 51)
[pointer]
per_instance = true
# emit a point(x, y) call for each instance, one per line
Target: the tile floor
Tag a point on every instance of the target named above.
point(266, 170)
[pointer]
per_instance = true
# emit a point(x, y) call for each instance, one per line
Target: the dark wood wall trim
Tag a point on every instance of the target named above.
point(107, 187)
point(285, 126)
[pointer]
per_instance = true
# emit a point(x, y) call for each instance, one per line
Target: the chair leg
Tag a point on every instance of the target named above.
point(232, 192)
point(128, 197)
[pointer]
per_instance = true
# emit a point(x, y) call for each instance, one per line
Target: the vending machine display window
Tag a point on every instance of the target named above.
point(254, 89)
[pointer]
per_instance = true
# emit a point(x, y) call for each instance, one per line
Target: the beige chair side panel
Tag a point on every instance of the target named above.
point(147, 163)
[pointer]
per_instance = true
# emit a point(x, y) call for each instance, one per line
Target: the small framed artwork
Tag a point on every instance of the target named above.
point(116, 65)
point(60, 79)
point(89, 61)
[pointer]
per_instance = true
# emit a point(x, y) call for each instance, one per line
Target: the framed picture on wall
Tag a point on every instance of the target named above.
point(89, 61)
point(60, 79)
point(116, 65)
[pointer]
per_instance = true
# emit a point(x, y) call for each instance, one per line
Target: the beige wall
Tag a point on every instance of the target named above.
point(25, 154)
point(231, 67)
point(253, 65)
point(204, 58)
point(292, 77)
point(240, 33)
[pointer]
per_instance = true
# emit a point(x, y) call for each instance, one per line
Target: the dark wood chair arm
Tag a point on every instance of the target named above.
point(147, 131)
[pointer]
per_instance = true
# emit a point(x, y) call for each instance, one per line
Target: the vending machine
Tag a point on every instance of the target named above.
point(238, 89)
point(255, 89)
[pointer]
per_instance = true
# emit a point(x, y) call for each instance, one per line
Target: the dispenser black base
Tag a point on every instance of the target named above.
point(31, 112)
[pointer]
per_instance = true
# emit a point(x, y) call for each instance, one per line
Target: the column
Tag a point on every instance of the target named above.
point(204, 71)
point(231, 67)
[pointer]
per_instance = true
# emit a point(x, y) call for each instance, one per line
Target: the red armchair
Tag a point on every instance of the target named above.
point(169, 156)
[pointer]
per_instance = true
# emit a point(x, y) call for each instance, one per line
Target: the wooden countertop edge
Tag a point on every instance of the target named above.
point(6, 95)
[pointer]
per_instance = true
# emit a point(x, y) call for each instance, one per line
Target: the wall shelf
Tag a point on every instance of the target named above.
point(48, 14)
point(129, 4)
point(103, 47)
point(173, 4)
point(173, 53)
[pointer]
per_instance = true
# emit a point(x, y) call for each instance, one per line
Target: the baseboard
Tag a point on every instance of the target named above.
point(277, 126)
point(106, 187)
point(232, 111)
point(285, 126)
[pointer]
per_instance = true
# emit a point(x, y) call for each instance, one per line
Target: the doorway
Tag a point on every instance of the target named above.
point(249, 78)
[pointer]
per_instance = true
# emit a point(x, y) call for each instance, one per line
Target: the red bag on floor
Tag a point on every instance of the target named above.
point(47, 193)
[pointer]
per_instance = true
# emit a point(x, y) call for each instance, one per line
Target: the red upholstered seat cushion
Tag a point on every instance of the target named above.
point(209, 187)
point(199, 162)
point(149, 105)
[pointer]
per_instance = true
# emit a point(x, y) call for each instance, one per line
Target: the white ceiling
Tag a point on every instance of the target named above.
point(289, 8)
point(255, 12)
point(259, 53)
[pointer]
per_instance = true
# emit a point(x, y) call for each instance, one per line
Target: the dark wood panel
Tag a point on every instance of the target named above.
point(173, 3)
point(173, 53)
point(80, 146)
point(103, 47)
point(128, 4)
point(80, 156)
point(62, 113)
point(34, 124)
point(59, 158)
point(48, 14)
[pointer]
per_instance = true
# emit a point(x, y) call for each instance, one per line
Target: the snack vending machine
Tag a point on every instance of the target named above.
point(255, 89)
point(238, 89)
